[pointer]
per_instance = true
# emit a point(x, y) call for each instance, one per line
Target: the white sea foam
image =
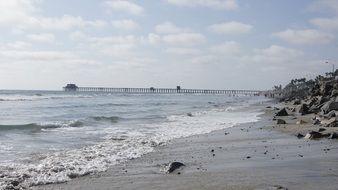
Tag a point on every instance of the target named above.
point(117, 146)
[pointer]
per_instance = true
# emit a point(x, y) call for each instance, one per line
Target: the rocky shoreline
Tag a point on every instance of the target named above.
point(310, 105)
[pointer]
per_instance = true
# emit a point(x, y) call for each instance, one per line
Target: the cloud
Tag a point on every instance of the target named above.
point(215, 4)
point(42, 38)
point(17, 45)
point(308, 36)
point(22, 15)
point(232, 27)
point(124, 6)
point(183, 51)
point(26, 55)
point(169, 28)
point(277, 55)
point(227, 48)
point(126, 24)
point(184, 39)
point(326, 23)
point(153, 38)
point(116, 46)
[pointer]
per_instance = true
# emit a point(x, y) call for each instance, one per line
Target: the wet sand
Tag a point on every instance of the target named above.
point(259, 155)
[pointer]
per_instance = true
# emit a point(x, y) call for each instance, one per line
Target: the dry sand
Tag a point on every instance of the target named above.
point(251, 156)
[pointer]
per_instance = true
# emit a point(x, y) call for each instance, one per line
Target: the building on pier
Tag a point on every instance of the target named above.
point(70, 87)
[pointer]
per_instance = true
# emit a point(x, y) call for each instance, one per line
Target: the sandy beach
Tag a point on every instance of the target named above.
point(260, 155)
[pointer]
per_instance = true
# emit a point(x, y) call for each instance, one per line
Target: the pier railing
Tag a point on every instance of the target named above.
point(162, 90)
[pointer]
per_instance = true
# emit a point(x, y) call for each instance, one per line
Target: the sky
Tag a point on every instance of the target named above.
point(213, 44)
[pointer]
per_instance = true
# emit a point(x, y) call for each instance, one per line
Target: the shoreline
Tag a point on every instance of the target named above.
point(252, 156)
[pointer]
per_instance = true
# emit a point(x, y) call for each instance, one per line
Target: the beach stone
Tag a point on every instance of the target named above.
point(329, 106)
point(189, 114)
point(333, 124)
point(278, 187)
point(174, 166)
point(321, 129)
point(301, 122)
point(304, 109)
point(297, 102)
point(331, 114)
point(333, 136)
point(299, 136)
point(316, 122)
point(282, 112)
point(15, 183)
point(334, 93)
point(281, 122)
point(315, 135)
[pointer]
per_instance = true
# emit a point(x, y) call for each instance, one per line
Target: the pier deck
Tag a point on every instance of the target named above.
point(178, 90)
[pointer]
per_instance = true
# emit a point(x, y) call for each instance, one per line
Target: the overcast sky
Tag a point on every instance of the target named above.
point(219, 44)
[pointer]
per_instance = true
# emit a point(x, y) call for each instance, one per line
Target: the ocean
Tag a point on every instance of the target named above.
point(53, 136)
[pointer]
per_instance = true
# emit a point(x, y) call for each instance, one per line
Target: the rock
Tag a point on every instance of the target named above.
point(329, 106)
point(293, 110)
point(300, 122)
point(189, 114)
point(281, 122)
point(299, 136)
point(304, 109)
point(282, 112)
point(278, 187)
point(331, 114)
point(316, 122)
point(174, 166)
point(72, 175)
point(333, 136)
point(297, 102)
point(268, 107)
point(275, 108)
point(321, 129)
point(15, 183)
point(334, 93)
point(327, 88)
point(332, 124)
point(315, 135)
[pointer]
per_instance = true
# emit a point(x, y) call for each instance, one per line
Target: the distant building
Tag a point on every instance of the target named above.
point(70, 87)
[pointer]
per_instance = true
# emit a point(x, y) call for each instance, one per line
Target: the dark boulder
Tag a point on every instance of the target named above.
point(321, 129)
point(281, 122)
point(334, 93)
point(297, 102)
point(332, 124)
point(316, 122)
point(304, 109)
point(315, 135)
point(299, 136)
point(189, 114)
point(331, 114)
point(329, 106)
point(333, 136)
point(282, 112)
point(174, 166)
point(327, 88)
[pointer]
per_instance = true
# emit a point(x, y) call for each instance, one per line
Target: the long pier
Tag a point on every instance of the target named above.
point(152, 90)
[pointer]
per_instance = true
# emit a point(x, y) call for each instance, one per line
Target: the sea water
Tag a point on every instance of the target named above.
point(52, 137)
